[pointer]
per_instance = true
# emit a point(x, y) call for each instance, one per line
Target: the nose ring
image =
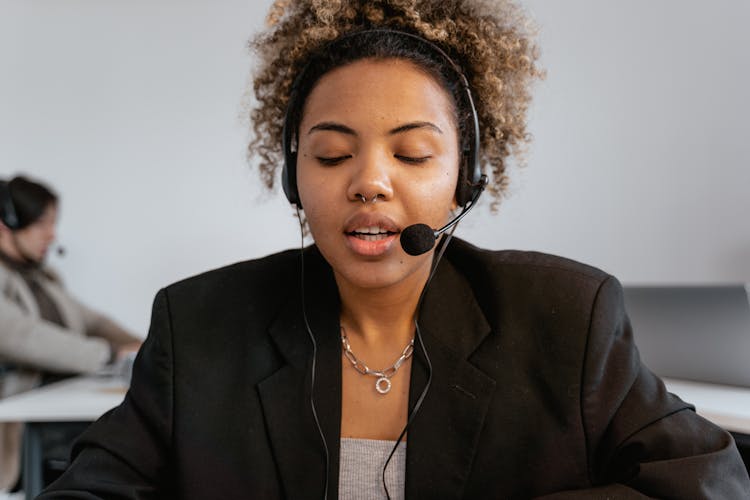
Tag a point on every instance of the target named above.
point(363, 199)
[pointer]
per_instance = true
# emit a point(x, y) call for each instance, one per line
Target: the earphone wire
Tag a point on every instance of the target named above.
point(418, 334)
point(314, 353)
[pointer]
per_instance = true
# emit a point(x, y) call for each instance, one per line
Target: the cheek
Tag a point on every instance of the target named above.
point(317, 200)
point(438, 194)
point(311, 181)
point(25, 237)
point(319, 221)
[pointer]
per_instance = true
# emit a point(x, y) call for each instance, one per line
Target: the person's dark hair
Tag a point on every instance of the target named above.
point(30, 199)
point(490, 40)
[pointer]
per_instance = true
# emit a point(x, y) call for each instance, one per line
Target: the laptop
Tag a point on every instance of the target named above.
point(699, 333)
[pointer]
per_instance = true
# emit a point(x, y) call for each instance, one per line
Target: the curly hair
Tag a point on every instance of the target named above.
point(492, 41)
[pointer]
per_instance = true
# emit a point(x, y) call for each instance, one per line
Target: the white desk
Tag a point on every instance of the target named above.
point(79, 399)
point(726, 406)
point(84, 399)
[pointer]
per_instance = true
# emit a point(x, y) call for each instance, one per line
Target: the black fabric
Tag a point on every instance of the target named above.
point(537, 391)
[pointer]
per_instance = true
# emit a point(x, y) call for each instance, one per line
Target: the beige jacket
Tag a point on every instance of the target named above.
point(34, 345)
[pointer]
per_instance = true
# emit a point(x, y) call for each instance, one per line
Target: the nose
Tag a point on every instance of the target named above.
point(371, 178)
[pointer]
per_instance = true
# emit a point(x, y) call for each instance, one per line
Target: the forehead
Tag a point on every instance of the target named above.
point(379, 91)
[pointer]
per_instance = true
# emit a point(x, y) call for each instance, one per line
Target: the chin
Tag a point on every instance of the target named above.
point(40, 257)
point(375, 275)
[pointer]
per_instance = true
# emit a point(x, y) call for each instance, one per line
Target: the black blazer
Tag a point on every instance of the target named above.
point(537, 390)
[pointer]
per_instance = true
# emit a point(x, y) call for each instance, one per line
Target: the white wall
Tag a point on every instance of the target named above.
point(130, 109)
point(641, 153)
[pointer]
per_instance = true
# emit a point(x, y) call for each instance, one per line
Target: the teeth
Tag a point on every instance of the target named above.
point(370, 237)
point(370, 230)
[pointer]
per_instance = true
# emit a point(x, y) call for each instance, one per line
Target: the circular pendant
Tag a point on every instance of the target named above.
point(383, 385)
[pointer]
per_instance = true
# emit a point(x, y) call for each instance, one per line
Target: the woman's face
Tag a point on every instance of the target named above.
point(383, 130)
point(34, 240)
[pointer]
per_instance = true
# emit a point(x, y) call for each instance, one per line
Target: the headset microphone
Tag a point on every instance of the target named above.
point(420, 238)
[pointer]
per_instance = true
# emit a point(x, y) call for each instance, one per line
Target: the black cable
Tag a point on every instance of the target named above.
point(315, 351)
point(418, 334)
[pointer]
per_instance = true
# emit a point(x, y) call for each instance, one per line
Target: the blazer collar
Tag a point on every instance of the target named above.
point(450, 312)
point(448, 423)
point(444, 433)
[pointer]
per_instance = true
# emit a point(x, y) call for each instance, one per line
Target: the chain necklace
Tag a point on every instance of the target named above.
point(383, 384)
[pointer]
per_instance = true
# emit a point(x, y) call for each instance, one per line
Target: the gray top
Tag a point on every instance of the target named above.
point(361, 469)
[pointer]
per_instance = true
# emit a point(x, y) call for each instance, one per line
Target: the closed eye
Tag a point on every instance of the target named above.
point(412, 159)
point(332, 160)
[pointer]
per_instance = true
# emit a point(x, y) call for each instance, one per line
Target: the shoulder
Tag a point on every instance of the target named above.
point(253, 289)
point(255, 272)
point(9, 278)
point(531, 286)
point(47, 273)
point(529, 263)
point(526, 269)
point(262, 276)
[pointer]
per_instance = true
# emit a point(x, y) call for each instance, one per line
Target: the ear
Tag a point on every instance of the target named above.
point(5, 231)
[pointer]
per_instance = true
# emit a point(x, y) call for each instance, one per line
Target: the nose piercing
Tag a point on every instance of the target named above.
point(363, 199)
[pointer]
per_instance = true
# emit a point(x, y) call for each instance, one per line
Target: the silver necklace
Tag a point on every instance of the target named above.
point(383, 384)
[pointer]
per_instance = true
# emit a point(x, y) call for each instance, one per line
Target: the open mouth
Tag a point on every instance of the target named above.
point(372, 233)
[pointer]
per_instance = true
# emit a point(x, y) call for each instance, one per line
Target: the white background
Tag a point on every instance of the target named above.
point(131, 110)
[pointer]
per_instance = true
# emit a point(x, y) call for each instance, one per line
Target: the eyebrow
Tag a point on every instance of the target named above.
point(333, 126)
point(414, 125)
point(343, 129)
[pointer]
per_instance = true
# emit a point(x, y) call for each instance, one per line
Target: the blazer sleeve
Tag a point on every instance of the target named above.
point(125, 453)
point(643, 442)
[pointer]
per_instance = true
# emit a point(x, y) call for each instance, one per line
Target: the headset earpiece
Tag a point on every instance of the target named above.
point(470, 175)
point(8, 215)
point(289, 171)
point(289, 181)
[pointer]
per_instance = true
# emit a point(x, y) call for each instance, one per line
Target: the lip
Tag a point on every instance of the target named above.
point(371, 248)
point(366, 219)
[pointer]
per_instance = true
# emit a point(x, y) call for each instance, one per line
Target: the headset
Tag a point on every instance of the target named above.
point(471, 180)
point(8, 213)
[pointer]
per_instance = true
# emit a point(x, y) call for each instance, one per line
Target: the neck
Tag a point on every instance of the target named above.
point(382, 316)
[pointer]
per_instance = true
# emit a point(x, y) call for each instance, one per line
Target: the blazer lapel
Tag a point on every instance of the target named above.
point(285, 396)
point(443, 436)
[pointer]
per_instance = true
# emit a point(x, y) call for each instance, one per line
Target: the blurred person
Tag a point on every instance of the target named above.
point(45, 333)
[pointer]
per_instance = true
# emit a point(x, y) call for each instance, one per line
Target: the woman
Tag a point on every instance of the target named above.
point(45, 331)
point(498, 375)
